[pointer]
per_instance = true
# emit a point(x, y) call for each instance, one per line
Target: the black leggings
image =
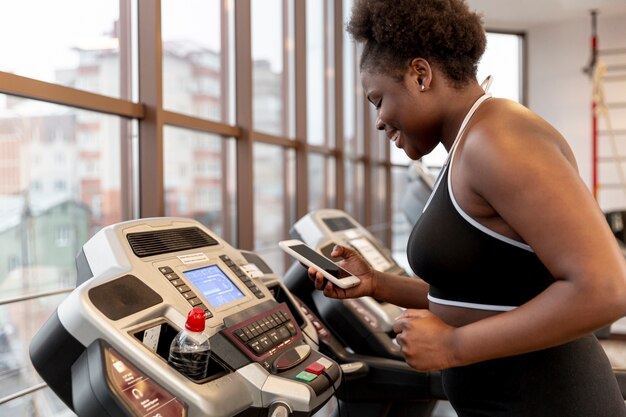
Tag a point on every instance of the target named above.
point(571, 380)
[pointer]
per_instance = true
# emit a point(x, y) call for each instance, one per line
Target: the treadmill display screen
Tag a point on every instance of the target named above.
point(214, 285)
point(371, 254)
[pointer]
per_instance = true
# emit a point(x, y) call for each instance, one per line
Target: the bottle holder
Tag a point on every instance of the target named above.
point(166, 334)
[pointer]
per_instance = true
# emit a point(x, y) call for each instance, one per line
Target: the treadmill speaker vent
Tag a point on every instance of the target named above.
point(337, 224)
point(165, 241)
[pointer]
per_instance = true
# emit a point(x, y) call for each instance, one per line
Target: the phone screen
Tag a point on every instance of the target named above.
point(321, 261)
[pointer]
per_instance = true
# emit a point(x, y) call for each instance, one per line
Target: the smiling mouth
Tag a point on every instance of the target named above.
point(394, 138)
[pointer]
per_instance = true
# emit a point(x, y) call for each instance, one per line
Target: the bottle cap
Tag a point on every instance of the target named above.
point(196, 320)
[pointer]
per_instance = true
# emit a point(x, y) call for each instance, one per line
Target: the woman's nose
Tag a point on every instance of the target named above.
point(379, 123)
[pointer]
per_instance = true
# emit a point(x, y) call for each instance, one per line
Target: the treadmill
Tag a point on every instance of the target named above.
point(358, 332)
point(364, 324)
point(104, 350)
point(420, 184)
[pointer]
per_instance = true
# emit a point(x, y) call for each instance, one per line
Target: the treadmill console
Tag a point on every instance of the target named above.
point(105, 350)
point(261, 336)
point(324, 228)
point(363, 324)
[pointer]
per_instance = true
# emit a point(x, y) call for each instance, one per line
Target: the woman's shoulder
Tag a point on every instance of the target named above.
point(499, 114)
point(509, 129)
point(505, 136)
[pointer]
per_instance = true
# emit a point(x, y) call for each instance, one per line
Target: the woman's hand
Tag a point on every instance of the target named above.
point(353, 263)
point(426, 342)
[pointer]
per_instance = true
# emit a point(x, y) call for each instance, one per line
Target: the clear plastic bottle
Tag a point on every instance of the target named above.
point(190, 350)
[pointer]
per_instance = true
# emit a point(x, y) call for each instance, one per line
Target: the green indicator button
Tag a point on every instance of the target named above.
point(306, 376)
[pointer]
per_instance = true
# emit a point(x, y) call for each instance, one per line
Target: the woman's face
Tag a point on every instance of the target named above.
point(402, 112)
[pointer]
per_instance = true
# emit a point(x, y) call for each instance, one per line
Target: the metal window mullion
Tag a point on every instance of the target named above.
point(321, 149)
point(126, 158)
point(340, 183)
point(367, 163)
point(325, 61)
point(17, 85)
point(243, 97)
point(287, 122)
point(326, 46)
point(388, 215)
point(360, 134)
point(199, 124)
point(286, 203)
point(286, 70)
point(274, 140)
point(23, 393)
point(35, 296)
point(224, 61)
point(389, 198)
point(151, 187)
point(300, 51)
point(225, 98)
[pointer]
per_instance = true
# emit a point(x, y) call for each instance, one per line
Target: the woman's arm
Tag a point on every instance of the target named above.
point(408, 292)
point(395, 289)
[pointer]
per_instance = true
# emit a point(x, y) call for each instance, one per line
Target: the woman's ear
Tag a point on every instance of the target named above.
point(421, 72)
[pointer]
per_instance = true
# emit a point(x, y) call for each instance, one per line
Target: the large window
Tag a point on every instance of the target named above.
point(273, 175)
point(41, 40)
point(321, 177)
point(61, 182)
point(503, 61)
point(268, 66)
point(196, 72)
point(353, 127)
point(200, 176)
point(320, 77)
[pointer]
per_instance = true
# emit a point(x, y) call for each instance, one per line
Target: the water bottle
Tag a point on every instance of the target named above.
point(190, 350)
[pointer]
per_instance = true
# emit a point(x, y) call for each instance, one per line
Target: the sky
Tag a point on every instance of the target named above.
point(38, 35)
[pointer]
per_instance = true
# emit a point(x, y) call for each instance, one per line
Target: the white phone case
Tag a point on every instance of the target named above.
point(346, 282)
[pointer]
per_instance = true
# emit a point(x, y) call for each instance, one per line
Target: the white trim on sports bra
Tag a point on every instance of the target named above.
point(463, 214)
point(464, 304)
point(464, 123)
point(448, 166)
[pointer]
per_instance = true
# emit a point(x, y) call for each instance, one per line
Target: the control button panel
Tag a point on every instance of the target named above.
point(184, 290)
point(364, 313)
point(242, 276)
point(321, 330)
point(314, 369)
point(265, 334)
point(306, 376)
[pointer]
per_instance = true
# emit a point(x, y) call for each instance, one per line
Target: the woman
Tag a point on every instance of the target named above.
point(519, 266)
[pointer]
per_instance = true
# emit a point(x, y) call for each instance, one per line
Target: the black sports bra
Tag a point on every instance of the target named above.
point(467, 264)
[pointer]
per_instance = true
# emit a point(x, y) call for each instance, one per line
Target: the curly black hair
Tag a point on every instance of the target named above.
point(444, 32)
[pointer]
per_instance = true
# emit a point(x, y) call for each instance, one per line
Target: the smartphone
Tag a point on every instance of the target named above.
point(310, 257)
